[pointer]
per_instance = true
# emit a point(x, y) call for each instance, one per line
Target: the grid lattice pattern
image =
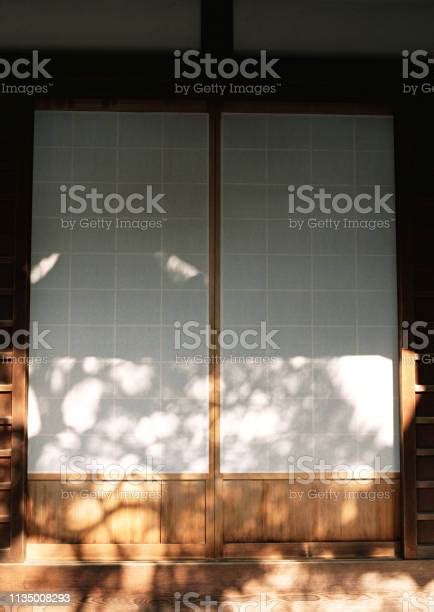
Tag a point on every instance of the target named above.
point(329, 390)
point(110, 389)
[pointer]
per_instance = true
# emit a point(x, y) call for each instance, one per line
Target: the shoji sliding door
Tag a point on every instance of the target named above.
point(243, 404)
point(317, 392)
point(118, 416)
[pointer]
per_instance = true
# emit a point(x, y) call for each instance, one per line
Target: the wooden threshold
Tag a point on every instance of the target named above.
point(100, 553)
point(317, 550)
point(113, 552)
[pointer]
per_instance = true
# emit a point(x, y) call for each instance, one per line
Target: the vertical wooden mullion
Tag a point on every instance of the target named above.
point(215, 237)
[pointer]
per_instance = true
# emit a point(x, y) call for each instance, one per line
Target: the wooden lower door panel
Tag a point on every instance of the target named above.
point(273, 518)
point(102, 520)
point(265, 518)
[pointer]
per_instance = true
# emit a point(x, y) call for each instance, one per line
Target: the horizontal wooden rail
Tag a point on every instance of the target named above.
point(425, 484)
point(424, 388)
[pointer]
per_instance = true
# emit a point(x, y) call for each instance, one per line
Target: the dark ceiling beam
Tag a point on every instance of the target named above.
point(217, 26)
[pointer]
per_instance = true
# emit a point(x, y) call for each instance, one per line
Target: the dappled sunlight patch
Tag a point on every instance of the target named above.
point(152, 428)
point(83, 514)
point(198, 389)
point(338, 409)
point(132, 378)
point(81, 404)
point(179, 269)
point(349, 511)
point(43, 267)
point(34, 416)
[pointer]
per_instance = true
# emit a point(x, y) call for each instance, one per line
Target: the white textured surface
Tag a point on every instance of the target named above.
point(111, 390)
point(330, 391)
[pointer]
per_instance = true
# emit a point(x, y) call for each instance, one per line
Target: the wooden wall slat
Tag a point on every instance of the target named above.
point(16, 154)
point(5, 502)
point(415, 215)
point(5, 405)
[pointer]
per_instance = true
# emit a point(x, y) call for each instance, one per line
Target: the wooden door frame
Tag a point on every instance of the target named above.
point(214, 547)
